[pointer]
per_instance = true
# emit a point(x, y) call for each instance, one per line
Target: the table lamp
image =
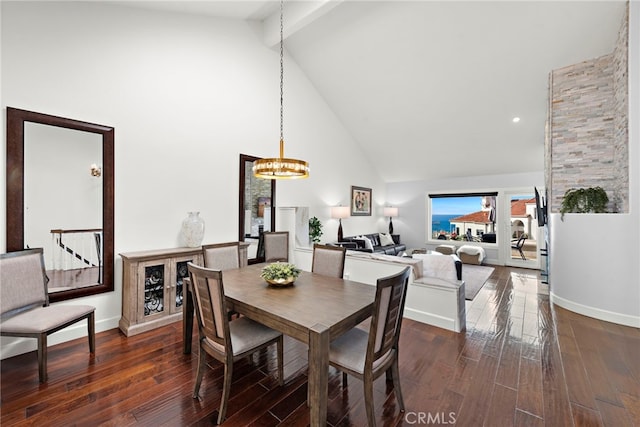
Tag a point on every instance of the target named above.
point(391, 213)
point(340, 212)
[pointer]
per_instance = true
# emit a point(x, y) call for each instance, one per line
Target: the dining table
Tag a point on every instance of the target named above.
point(315, 309)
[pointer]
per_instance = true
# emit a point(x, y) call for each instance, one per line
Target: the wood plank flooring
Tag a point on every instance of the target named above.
point(519, 363)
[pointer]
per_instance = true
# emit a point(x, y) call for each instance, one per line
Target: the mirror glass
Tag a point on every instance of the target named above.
point(64, 215)
point(256, 212)
point(60, 198)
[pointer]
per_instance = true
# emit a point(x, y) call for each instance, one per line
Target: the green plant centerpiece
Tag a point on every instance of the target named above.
point(315, 229)
point(584, 200)
point(280, 273)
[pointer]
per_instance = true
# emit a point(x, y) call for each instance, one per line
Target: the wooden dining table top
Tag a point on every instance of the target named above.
point(313, 299)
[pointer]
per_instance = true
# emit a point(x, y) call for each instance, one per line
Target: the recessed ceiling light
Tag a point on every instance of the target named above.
point(516, 119)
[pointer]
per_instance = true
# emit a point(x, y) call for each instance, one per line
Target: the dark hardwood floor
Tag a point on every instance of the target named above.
point(519, 363)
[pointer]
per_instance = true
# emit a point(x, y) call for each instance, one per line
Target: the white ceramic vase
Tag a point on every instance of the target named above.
point(192, 231)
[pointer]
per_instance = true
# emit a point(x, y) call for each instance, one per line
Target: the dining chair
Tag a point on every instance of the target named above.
point(223, 340)
point(276, 246)
point(328, 260)
point(222, 256)
point(24, 302)
point(368, 354)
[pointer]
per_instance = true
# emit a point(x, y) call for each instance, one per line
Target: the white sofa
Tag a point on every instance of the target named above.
point(435, 297)
point(441, 291)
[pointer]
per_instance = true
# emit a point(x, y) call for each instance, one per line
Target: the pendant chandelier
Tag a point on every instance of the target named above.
point(281, 167)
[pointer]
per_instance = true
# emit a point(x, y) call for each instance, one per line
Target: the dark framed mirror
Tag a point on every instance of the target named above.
point(60, 196)
point(256, 208)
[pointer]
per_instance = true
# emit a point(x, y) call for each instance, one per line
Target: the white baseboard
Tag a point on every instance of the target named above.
point(596, 313)
point(430, 319)
point(15, 346)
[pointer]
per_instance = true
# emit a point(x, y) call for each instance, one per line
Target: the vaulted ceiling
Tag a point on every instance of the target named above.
point(429, 89)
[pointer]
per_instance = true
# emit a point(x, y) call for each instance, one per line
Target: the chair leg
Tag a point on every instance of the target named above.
point(226, 389)
point(308, 369)
point(344, 379)
point(42, 357)
point(368, 399)
point(522, 255)
point(202, 358)
point(280, 345)
point(91, 326)
point(395, 373)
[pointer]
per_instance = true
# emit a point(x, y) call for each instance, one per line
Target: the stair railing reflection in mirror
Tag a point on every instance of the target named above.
point(76, 259)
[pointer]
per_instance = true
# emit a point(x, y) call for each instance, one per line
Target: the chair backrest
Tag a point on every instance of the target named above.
point(520, 241)
point(221, 256)
point(276, 246)
point(328, 260)
point(211, 308)
point(23, 281)
point(468, 235)
point(391, 293)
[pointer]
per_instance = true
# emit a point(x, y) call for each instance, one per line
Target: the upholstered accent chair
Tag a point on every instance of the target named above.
point(223, 340)
point(328, 260)
point(368, 354)
point(276, 246)
point(24, 302)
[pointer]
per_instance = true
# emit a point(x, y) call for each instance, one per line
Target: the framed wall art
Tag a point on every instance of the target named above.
point(360, 201)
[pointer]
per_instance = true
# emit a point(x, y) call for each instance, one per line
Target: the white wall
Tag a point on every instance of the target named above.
point(594, 257)
point(186, 95)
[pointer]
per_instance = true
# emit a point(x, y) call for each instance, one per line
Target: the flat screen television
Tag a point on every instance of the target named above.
point(541, 209)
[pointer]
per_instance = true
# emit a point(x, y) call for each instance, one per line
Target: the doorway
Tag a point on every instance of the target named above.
point(521, 237)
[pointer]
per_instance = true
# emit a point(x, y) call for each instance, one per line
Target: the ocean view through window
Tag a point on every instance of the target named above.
point(464, 217)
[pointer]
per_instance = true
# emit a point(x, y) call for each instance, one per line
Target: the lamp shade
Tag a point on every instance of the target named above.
point(340, 212)
point(390, 212)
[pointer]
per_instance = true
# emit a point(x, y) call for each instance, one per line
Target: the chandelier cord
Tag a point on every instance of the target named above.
point(281, 73)
point(280, 167)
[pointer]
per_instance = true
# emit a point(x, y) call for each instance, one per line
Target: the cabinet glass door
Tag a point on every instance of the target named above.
point(153, 289)
point(181, 273)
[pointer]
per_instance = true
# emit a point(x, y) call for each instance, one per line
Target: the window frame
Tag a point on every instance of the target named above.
point(456, 194)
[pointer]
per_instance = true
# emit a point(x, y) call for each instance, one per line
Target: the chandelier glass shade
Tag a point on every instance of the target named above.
point(281, 167)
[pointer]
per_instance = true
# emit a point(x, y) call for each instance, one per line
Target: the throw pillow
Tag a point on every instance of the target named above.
point(366, 241)
point(386, 239)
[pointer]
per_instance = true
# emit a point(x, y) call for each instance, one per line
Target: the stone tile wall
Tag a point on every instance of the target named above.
point(587, 138)
point(582, 127)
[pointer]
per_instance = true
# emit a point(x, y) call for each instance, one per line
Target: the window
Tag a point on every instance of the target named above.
point(462, 216)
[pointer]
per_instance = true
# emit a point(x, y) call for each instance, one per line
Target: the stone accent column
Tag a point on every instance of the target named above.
point(587, 138)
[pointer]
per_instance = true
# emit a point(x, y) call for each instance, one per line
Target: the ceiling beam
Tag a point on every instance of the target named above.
point(297, 15)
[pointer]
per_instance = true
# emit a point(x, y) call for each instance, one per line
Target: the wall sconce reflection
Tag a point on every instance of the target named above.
point(95, 170)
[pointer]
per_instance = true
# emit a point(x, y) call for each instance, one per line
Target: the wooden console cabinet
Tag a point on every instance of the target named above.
point(152, 287)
